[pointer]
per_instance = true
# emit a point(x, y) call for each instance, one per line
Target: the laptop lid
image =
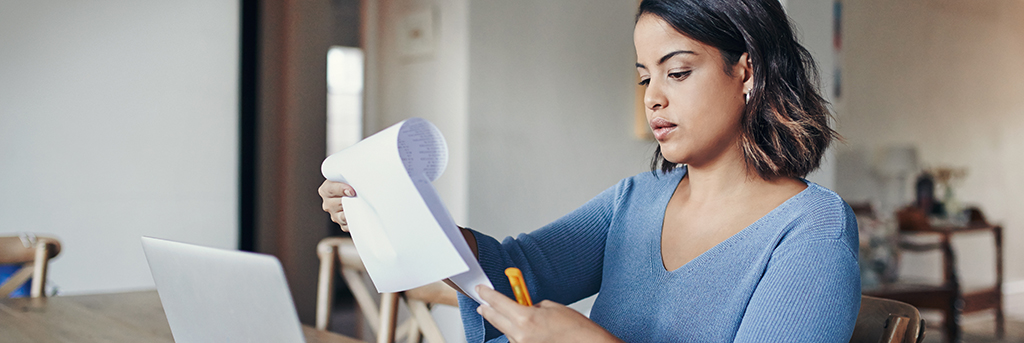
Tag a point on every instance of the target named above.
point(216, 295)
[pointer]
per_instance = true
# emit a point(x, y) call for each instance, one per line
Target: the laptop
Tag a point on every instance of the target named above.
point(217, 295)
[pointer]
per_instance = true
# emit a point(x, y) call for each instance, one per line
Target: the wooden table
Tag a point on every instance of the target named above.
point(949, 297)
point(110, 318)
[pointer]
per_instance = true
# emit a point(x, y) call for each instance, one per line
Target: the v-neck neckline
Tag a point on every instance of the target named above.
point(659, 258)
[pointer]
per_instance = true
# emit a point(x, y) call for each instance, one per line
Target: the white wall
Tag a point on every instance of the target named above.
point(118, 119)
point(551, 96)
point(813, 22)
point(432, 86)
point(944, 76)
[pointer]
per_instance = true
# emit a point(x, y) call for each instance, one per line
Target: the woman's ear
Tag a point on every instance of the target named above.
point(747, 72)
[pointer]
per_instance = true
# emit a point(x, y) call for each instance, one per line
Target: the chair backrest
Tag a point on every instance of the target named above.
point(383, 317)
point(33, 253)
point(887, 321)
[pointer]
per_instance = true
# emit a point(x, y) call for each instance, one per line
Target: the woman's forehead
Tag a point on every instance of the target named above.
point(654, 39)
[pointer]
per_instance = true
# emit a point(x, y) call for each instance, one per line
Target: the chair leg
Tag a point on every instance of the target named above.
point(421, 313)
point(39, 270)
point(1000, 322)
point(997, 233)
point(414, 332)
point(325, 287)
point(952, 321)
point(406, 331)
point(388, 317)
point(364, 297)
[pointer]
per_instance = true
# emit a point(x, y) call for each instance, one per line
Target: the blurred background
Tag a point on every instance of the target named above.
point(206, 121)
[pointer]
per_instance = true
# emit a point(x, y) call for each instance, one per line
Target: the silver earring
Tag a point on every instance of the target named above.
point(746, 97)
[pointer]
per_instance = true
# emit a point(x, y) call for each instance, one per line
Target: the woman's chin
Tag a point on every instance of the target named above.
point(673, 157)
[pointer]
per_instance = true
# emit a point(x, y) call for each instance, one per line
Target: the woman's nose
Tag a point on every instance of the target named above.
point(654, 98)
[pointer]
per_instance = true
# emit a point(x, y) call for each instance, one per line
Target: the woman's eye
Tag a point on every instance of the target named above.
point(644, 82)
point(679, 75)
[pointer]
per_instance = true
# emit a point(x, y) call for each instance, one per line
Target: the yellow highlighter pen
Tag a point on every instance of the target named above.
point(515, 278)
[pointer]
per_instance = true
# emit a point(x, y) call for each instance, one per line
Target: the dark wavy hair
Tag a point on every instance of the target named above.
point(786, 122)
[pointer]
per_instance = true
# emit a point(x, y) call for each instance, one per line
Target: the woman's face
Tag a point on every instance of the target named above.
point(694, 107)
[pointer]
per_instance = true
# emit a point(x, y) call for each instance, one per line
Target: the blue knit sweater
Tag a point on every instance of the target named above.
point(791, 276)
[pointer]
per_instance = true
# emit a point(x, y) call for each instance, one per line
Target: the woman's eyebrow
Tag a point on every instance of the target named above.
point(668, 56)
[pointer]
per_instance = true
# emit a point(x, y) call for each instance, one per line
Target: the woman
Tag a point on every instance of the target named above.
point(723, 240)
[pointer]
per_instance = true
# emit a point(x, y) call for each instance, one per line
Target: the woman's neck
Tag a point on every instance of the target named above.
point(727, 178)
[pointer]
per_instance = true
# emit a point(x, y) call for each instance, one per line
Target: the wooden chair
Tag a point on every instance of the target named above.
point(887, 321)
point(33, 253)
point(382, 318)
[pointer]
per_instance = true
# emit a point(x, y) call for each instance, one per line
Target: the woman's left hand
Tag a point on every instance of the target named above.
point(546, 321)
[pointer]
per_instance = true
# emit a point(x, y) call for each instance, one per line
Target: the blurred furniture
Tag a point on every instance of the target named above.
point(33, 253)
point(107, 318)
point(948, 297)
point(887, 321)
point(381, 318)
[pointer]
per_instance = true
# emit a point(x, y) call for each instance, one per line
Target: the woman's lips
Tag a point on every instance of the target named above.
point(662, 128)
point(662, 133)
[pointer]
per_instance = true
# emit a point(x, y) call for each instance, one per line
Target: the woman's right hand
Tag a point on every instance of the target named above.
point(332, 192)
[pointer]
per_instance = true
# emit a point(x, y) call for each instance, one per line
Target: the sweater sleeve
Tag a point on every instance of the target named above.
point(810, 292)
point(561, 262)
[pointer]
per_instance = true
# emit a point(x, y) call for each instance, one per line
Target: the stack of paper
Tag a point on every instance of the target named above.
point(404, 234)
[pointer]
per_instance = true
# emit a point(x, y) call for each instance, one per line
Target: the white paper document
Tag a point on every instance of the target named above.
point(404, 234)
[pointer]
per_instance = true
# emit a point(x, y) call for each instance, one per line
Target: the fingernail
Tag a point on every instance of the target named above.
point(348, 192)
point(479, 309)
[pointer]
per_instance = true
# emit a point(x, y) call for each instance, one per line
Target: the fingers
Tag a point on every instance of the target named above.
point(497, 319)
point(492, 315)
point(499, 301)
point(333, 189)
point(340, 219)
point(333, 206)
point(546, 321)
point(331, 192)
point(504, 313)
